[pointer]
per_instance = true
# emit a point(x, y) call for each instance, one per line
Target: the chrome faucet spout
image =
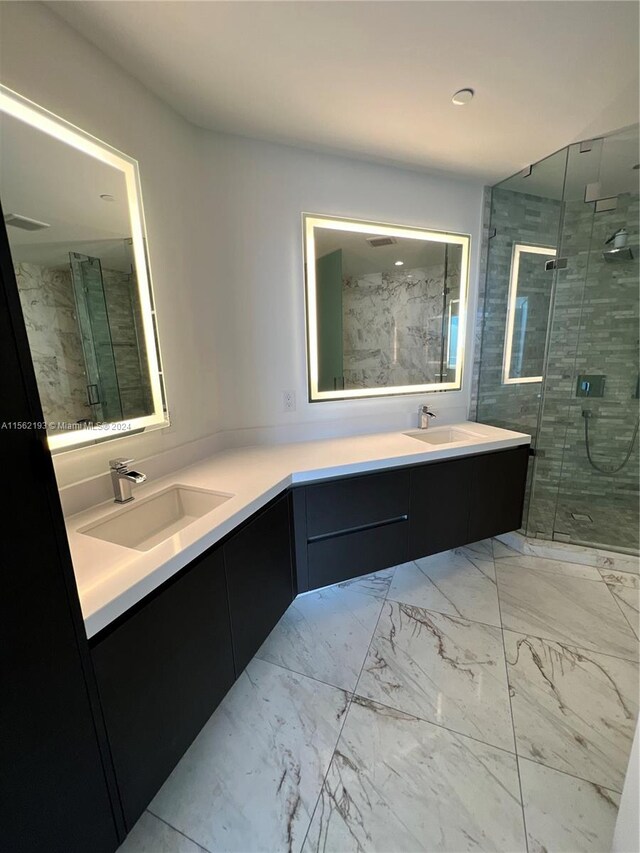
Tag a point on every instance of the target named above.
point(424, 416)
point(123, 478)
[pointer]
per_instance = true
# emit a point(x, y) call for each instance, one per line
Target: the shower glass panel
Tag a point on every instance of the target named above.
point(596, 343)
point(582, 412)
point(103, 394)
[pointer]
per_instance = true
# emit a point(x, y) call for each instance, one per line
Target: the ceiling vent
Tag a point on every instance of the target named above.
point(376, 242)
point(24, 222)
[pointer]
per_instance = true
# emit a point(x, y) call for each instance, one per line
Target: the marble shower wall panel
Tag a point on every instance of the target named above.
point(46, 296)
point(392, 327)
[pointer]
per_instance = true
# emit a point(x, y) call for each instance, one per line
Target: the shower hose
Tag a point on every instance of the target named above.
point(587, 416)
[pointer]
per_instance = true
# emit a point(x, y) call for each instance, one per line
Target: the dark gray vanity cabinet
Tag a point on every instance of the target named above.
point(351, 526)
point(440, 504)
point(497, 492)
point(355, 525)
point(161, 673)
point(259, 566)
point(465, 500)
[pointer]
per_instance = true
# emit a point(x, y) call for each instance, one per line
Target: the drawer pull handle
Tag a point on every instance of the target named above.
point(371, 526)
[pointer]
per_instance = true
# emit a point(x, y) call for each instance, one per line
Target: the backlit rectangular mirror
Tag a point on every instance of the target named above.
point(73, 214)
point(386, 308)
point(527, 313)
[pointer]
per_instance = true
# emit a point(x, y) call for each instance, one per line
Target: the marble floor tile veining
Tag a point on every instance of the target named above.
point(397, 783)
point(573, 710)
point(448, 583)
point(566, 609)
point(374, 584)
point(250, 780)
point(565, 814)
point(325, 634)
point(411, 710)
point(625, 589)
point(441, 668)
point(481, 555)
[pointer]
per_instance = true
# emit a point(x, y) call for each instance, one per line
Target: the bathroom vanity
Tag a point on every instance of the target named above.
point(178, 632)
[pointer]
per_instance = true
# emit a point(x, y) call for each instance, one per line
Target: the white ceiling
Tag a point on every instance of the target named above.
point(359, 258)
point(375, 79)
point(45, 179)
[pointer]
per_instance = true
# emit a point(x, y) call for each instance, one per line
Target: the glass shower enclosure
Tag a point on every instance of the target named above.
point(103, 393)
point(560, 337)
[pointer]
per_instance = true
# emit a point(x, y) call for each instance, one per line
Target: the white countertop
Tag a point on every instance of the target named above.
point(112, 578)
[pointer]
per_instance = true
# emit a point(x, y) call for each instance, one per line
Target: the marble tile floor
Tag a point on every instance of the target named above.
point(480, 699)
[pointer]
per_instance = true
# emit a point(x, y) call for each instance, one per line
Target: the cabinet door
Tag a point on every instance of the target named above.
point(497, 494)
point(440, 500)
point(161, 674)
point(259, 577)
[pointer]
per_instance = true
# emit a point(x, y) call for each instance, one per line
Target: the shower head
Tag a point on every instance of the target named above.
point(613, 255)
point(618, 238)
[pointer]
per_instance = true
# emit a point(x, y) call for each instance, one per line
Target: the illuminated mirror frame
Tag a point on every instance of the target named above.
point(26, 111)
point(311, 221)
point(518, 250)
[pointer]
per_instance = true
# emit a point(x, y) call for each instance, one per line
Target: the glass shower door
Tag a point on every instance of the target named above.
point(589, 417)
point(103, 393)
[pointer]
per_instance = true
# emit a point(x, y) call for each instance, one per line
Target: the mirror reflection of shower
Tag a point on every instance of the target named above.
point(84, 326)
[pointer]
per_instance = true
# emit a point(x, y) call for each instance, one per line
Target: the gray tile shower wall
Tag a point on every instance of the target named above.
point(482, 289)
point(594, 329)
point(516, 218)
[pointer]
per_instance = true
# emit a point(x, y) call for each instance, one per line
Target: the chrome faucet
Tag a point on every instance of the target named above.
point(424, 414)
point(123, 479)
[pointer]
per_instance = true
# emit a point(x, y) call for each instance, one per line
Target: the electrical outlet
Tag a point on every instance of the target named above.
point(288, 401)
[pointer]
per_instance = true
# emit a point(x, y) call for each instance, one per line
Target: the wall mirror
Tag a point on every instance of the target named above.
point(73, 214)
point(386, 308)
point(527, 313)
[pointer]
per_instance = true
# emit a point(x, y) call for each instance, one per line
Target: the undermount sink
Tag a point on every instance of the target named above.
point(144, 524)
point(443, 435)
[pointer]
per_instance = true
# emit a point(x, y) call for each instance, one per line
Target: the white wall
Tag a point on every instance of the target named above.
point(225, 238)
point(43, 59)
point(253, 194)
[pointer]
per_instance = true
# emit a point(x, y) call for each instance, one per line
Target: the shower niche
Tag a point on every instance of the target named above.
point(559, 348)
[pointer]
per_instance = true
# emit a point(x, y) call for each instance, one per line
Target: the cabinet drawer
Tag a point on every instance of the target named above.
point(356, 501)
point(343, 557)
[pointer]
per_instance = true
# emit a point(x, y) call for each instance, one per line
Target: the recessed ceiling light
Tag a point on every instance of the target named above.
point(462, 97)
point(107, 197)
point(399, 263)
